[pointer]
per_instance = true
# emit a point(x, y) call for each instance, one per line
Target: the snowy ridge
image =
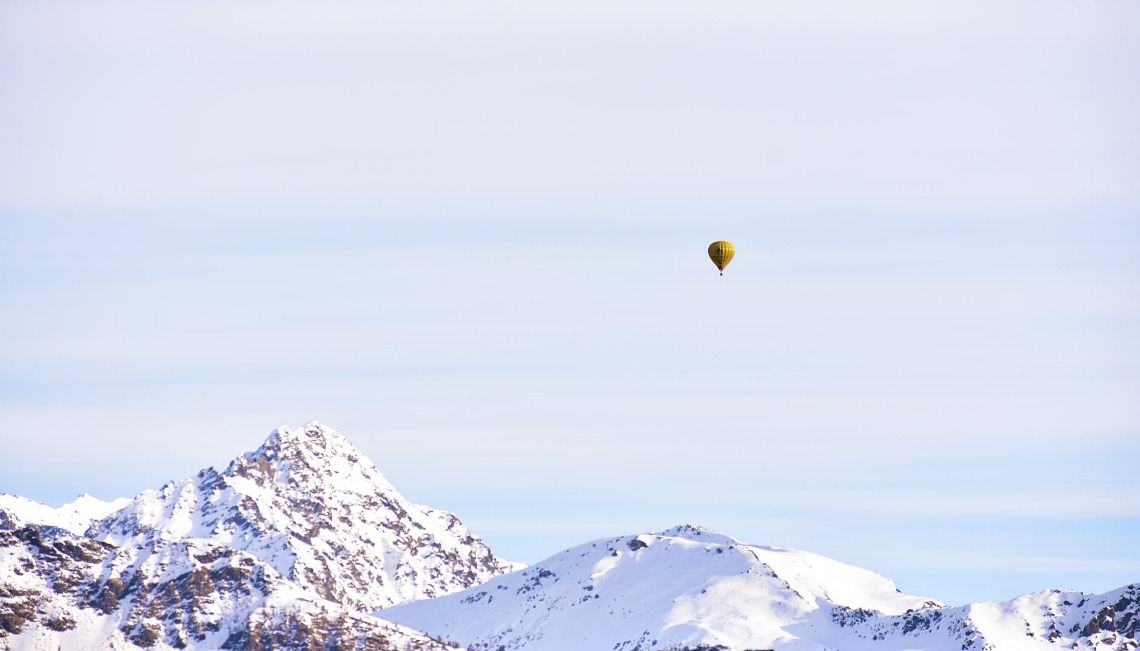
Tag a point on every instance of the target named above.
point(64, 592)
point(75, 516)
point(1052, 619)
point(692, 588)
point(289, 547)
point(686, 586)
point(302, 544)
point(308, 503)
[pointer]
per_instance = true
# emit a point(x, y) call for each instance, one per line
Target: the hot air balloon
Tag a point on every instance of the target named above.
point(721, 253)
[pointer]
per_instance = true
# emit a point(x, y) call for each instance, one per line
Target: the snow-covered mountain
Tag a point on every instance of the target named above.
point(312, 506)
point(61, 591)
point(291, 544)
point(692, 588)
point(75, 517)
point(685, 587)
point(302, 544)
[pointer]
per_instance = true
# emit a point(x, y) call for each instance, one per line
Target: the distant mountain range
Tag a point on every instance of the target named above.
point(303, 544)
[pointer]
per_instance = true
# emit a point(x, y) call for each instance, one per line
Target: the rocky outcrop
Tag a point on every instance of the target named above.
point(1121, 617)
point(311, 505)
point(693, 588)
point(303, 545)
point(57, 588)
point(288, 548)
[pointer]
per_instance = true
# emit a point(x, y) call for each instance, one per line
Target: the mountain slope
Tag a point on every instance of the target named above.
point(303, 545)
point(691, 588)
point(75, 517)
point(60, 591)
point(1040, 621)
point(312, 506)
point(288, 548)
point(685, 586)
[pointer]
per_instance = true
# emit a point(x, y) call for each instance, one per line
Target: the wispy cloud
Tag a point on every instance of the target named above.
point(471, 237)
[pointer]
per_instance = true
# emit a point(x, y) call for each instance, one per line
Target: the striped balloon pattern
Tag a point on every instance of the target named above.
point(721, 252)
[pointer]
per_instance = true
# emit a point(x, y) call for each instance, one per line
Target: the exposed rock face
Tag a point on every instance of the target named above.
point(692, 588)
point(312, 506)
point(289, 548)
point(61, 591)
point(1120, 617)
point(1042, 620)
point(302, 545)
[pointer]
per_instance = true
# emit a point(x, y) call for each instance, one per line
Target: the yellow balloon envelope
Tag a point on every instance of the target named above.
point(721, 253)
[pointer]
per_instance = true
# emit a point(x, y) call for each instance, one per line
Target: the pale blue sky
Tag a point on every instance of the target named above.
point(471, 237)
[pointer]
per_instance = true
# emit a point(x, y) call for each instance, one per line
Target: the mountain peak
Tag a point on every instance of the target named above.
point(697, 533)
point(316, 509)
point(685, 587)
point(313, 439)
point(311, 434)
point(314, 457)
point(295, 543)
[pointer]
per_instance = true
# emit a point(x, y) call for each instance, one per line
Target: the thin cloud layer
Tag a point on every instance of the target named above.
point(471, 238)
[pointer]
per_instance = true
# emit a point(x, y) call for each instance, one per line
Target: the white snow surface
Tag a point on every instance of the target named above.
point(686, 586)
point(299, 533)
point(244, 592)
point(312, 506)
point(75, 516)
point(693, 588)
point(305, 531)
